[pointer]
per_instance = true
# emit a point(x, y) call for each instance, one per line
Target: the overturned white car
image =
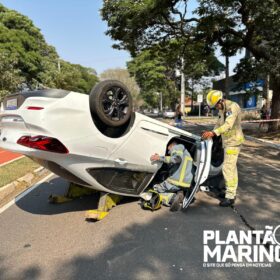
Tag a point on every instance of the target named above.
point(97, 141)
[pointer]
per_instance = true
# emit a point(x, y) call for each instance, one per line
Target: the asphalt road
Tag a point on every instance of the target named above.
point(44, 241)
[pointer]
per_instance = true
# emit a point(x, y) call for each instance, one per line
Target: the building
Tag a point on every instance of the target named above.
point(239, 92)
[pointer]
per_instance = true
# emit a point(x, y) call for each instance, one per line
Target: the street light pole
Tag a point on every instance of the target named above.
point(159, 94)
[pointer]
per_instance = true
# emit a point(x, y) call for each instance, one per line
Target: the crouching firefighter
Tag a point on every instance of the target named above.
point(171, 191)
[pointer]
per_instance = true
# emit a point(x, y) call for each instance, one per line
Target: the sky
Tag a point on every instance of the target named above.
point(76, 30)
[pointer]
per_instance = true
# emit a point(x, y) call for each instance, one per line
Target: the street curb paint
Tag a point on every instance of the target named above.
point(10, 161)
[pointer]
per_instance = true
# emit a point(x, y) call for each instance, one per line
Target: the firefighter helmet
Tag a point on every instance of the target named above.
point(154, 201)
point(213, 97)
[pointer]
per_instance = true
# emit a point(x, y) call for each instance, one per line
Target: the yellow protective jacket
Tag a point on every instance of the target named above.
point(229, 125)
point(183, 176)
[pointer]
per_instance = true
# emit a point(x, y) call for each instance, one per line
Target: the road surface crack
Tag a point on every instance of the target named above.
point(246, 223)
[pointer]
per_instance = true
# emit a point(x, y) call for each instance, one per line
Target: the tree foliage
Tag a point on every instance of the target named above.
point(155, 69)
point(256, 29)
point(154, 77)
point(10, 76)
point(136, 25)
point(151, 31)
point(75, 77)
point(231, 25)
point(32, 61)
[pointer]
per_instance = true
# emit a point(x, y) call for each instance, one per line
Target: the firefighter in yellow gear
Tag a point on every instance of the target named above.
point(229, 127)
point(171, 191)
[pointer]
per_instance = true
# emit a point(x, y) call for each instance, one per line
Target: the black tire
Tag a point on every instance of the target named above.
point(111, 103)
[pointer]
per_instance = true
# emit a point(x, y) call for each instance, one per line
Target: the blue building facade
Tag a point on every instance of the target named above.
point(247, 95)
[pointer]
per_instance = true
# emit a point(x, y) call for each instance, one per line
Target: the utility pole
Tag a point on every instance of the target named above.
point(266, 92)
point(182, 87)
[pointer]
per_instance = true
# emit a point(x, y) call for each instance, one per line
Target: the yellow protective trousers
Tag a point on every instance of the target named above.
point(230, 170)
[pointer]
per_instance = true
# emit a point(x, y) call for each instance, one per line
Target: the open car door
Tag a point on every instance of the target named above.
point(203, 169)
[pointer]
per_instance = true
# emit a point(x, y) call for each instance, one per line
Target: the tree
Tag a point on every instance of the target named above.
point(232, 25)
point(20, 39)
point(29, 60)
point(123, 76)
point(149, 30)
point(136, 25)
point(74, 77)
point(10, 77)
point(149, 73)
point(256, 29)
point(155, 69)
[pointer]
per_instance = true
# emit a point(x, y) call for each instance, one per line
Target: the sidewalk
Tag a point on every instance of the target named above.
point(261, 133)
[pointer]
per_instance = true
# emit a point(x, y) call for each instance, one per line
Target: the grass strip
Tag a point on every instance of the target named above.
point(16, 169)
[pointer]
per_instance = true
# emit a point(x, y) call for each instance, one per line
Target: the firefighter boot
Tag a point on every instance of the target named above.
point(226, 202)
point(177, 201)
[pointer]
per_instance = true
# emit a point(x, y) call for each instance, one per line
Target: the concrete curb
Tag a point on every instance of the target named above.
point(262, 141)
point(21, 184)
point(23, 193)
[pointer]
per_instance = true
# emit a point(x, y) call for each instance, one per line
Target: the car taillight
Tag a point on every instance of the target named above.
point(43, 143)
point(34, 108)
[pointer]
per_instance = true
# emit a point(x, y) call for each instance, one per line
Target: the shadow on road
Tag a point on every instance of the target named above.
point(259, 193)
point(169, 247)
point(137, 244)
point(36, 202)
point(29, 273)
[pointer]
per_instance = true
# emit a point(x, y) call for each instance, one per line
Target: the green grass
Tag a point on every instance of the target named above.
point(16, 169)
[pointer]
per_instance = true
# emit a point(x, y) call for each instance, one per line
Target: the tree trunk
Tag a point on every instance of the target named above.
point(227, 78)
point(275, 105)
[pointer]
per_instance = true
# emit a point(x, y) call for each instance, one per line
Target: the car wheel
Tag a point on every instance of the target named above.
point(111, 103)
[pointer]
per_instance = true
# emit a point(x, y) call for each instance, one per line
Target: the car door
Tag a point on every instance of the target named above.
point(203, 169)
point(146, 139)
point(130, 169)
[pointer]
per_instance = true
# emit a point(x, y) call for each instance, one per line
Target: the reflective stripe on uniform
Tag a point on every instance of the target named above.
point(177, 183)
point(233, 182)
point(240, 140)
point(232, 152)
point(166, 198)
point(181, 182)
point(167, 159)
point(184, 167)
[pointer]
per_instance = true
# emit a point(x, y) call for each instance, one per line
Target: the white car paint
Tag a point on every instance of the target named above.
point(68, 119)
